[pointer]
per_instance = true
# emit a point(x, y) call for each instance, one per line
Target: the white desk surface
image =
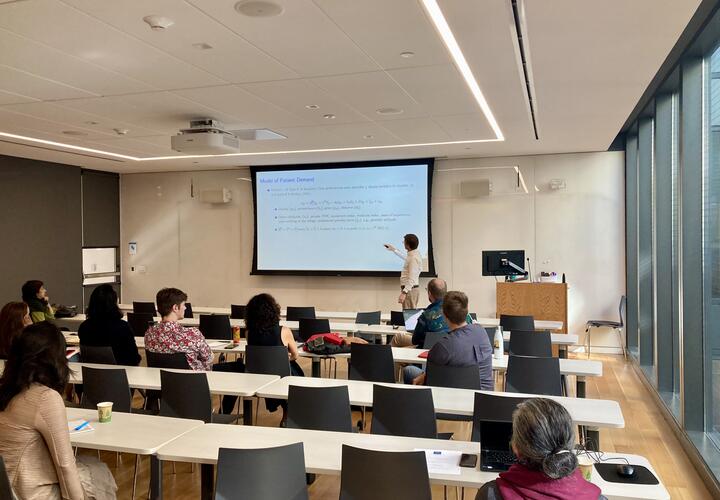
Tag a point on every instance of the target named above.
point(129, 432)
point(226, 383)
point(589, 412)
point(323, 453)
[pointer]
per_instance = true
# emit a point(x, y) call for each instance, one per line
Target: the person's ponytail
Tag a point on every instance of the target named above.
point(559, 465)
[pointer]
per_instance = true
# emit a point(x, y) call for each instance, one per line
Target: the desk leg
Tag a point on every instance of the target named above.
point(247, 411)
point(316, 367)
point(156, 478)
point(580, 387)
point(207, 481)
point(562, 351)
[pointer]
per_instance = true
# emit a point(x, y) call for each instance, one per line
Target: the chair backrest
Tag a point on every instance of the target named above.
point(311, 326)
point(532, 343)
point(621, 309)
point(5, 487)
point(215, 326)
point(473, 316)
point(403, 411)
point(97, 354)
point(267, 360)
point(144, 307)
point(431, 338)
point(295, 313)
point(277, 473)
point(459, 377)
point(185, 395)
point(491, 334)
point(511, 322)
point(407, 475)
point(237, 311)
point(368, 318)
point(397, 318)
point(140, 322)
point(167, 360)
point(534, 375)
point(372, 363)
point(106, 384)
point(188, 310)
point(493, 408)
point(319, 408)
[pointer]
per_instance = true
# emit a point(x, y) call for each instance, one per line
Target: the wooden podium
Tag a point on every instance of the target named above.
point(546, 301)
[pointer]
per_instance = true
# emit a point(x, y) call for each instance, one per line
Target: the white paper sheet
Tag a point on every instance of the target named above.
point(72, 424)
point(442, 461)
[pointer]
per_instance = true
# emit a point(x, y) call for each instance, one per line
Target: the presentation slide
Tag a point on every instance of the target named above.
point(336, 219)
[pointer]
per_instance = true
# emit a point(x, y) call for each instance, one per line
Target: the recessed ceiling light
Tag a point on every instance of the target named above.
point(158, 23)
point(368, 136)
point(202, 46)
point(389, 111)
point(74, 133)
point(257, 8)
point(90, 122)
point(407, 54)
point(121, 131)
point(329, 116)
point(312, 106)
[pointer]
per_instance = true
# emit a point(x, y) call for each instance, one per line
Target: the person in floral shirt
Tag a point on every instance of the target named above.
point(169, 336)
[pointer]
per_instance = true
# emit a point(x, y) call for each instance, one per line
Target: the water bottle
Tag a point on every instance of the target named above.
point(498, 343)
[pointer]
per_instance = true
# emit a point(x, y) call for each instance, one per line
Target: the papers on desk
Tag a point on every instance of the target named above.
point(217, 343)
point(442, 461)
point(78, 426)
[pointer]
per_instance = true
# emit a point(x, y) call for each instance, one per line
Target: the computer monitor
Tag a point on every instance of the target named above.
point(503, 263)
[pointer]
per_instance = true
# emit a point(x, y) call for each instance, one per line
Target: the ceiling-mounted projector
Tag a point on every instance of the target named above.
point(205, 136)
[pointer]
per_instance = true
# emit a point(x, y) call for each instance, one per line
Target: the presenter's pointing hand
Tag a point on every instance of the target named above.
point(390, 247)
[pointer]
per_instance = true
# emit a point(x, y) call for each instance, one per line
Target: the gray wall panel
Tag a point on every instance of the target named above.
point(101, 209)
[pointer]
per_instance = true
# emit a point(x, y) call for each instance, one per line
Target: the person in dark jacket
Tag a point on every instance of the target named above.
point(543, 441)
point(104, 326)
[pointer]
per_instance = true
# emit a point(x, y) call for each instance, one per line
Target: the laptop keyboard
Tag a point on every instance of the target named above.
point(500, 457)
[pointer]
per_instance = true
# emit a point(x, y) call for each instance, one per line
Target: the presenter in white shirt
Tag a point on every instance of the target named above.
point(410, 275)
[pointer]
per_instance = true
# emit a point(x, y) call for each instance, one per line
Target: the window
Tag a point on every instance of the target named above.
point(100, 265)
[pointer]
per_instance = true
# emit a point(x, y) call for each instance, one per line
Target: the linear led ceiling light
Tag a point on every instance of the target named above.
point(66, 146)
point(441, 25)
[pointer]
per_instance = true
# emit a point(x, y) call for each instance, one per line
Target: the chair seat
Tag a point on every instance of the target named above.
point(445, 435)
point(453, 418)
point(220, 418)
point(600, 322)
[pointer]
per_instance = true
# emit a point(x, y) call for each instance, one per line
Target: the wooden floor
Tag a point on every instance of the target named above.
point(645, 434)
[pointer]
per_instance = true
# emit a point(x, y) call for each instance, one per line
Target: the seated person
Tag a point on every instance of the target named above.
point(104, 326)
point(543, 440)
point(169, 337)
point(13, 318)
point(431, 320)
point(35, 296)
point(35, 443)
point(465, 344)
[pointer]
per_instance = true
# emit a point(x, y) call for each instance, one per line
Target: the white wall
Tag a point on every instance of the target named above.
point(207, 249)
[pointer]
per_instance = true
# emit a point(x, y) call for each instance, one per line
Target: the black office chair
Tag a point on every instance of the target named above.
point(216, 326)
point(145, 308)
point(237, 311)
point(372, 363)
point(167, 360)
point(267, 360)
point(295, 313)
point(407, 469)
point(188, 310)
point(5, 487)
point(494, 408)
point(319, 408)
point(534, 375)
point(106, 384)
point(397, 318)
point(459, 377)
point(404, 411)
point(187, 395)
point(510, 322)
point(615, 325)
point(97, 354)
point(140, 322)
point(311, 326)
point(277, 473)
point(532, 343)
point(432, 338)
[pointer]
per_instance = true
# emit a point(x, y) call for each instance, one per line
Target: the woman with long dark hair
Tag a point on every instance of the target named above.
point(35, 441)
point(13, 318)
point(104, 326)
point(34, 294)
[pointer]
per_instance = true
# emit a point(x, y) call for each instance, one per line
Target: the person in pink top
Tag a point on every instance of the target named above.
point(169, 336)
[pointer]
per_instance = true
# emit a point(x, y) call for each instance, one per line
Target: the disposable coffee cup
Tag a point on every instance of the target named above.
point(586, 466)
point(104, 412)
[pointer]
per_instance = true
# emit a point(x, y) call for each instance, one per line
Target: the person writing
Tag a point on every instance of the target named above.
point(35, 296)
point(410, 274)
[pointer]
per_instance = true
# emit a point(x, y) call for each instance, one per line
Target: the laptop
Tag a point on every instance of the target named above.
point(411, 318)
point(495, 452)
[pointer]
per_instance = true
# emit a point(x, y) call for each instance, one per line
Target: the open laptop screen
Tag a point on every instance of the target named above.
point(411, 318)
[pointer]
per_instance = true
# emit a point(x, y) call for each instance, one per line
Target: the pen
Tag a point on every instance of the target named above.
point(81, 426)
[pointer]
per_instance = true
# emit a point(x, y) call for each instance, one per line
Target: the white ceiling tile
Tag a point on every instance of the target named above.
point(417, 130)
point(302, 37)
point(465, 127)
point(20, 82)
point(70, 31)
point(384, 29)
point(10, 98)
point(354, 134)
